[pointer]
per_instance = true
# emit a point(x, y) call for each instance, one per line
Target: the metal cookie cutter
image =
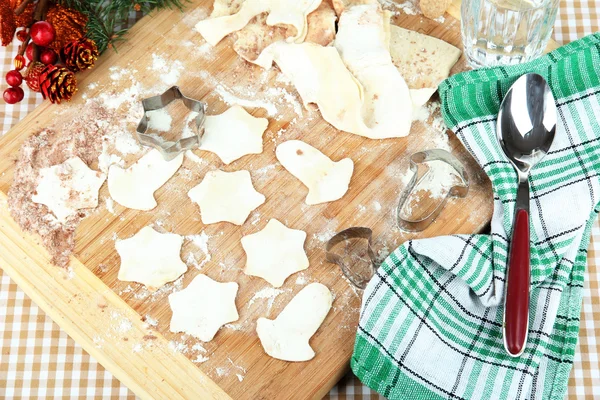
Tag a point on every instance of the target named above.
point(359, 277)
point(170, 150)
point(459, 190)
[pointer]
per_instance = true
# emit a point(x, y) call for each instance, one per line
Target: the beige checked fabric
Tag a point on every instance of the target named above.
point(39, 360)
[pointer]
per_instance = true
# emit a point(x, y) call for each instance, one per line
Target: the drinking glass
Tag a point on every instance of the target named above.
point(503, 32)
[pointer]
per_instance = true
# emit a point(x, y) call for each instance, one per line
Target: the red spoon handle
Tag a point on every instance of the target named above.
point(516, 313)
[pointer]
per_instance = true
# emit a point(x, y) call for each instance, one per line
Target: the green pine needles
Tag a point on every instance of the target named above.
point(108, 21)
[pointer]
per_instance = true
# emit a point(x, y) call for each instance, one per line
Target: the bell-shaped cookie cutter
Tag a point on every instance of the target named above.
point(168, 149)
point(358, 232)
point(459, 190)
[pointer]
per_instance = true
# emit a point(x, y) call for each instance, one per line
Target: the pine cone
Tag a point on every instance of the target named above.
point(33, 76)
point(57, 83)
point(80, 54)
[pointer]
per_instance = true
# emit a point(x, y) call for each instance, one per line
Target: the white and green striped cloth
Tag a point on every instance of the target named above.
point(431, 319)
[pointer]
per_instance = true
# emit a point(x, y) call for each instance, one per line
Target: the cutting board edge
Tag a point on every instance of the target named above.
point(84, 293)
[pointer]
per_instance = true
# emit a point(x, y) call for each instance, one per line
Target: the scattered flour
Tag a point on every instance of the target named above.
point(200, 359)
point(266, 293)
point(201, 242)
point(221, 371)
point(408, 7)
point(151, 321)
point(301, 280)
point(169, 71)
point(110, 205)
point(438, 179)
point(240, 377)
point(232, 99)
point(159, 120)
point(377, 205)
point(137, 348)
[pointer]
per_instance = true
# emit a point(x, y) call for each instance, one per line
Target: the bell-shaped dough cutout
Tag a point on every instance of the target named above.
point(287, 336)
point(326, 180)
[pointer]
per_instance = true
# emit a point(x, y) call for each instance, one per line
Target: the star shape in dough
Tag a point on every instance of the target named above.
point(151, 258)
point(275, 252)
point(203, 307)
point(233, 134)
point(68, 187)
point(226, 197)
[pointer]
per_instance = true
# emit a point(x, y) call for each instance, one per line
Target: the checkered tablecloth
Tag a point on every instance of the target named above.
point(39, 360)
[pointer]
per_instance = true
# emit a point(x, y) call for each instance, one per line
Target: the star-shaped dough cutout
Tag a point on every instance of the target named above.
point(233, 134)
point(203, 307)
point(68, 187)
point(275, 252)
point(151, 258)
point(226, 197)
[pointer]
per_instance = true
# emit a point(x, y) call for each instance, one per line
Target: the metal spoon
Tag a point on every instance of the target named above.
point(525, 128)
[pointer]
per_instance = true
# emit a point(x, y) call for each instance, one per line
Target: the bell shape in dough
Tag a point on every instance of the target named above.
point(226, 197)
point(151, 258)
point(68, 187)
point(134, 187)
point(275, 252)
point(203, 307)
point(325, 179)
point(363, 43)
point(233, 134)
point(286, 12)
point(287, 336)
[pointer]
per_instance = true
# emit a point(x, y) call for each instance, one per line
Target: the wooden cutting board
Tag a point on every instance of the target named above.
point(107, 316)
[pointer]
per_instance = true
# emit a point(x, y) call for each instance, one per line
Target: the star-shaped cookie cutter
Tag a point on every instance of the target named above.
point(458, 190)
point(168, 149)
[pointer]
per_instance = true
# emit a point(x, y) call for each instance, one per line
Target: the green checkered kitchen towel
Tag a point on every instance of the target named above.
point(431, 318)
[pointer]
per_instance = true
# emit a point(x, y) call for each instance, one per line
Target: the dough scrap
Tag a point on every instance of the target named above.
point(288, 12)
point(287, 337)
point(233, 134)
point(203, 307)
point(257, 35)
point(422, 60)
point(151, 258)
point(226, 197)
point(363, 42)
point(134, 187)
point(325, 179)
point(68, 187)
point(275, 252)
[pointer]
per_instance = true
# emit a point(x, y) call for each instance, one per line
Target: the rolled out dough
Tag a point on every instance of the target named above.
point(275, 252)
point(151, 258)
point(423, 61)
point(363, 42)
point(286, 12)
point(68, 187)
point(287, 337)
point(134, 187)
point(325, 179)
point(203, 307)
point(233, 134)
point(226, 196)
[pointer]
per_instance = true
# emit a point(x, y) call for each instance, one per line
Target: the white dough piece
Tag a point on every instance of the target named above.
point(287, 12)
point(233, 134)
point(287, 337)
point(68, 187)
point(326, 180)
point(422, 60)
point(151, 258)
point(363, 42)
point(134, 187)
point(275, 252)
point(203, 307)
point(226, 196)
point(321, 78)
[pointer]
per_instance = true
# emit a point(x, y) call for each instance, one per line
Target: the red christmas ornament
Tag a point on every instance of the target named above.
point(13, 95)
point(42, 33)
point(22, 35)
point(29, 51)
point(33, 76)
point(19, 62)
point(48, 56)
point(14, 78)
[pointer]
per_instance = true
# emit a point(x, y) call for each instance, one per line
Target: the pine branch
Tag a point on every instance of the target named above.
point(108, 20)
